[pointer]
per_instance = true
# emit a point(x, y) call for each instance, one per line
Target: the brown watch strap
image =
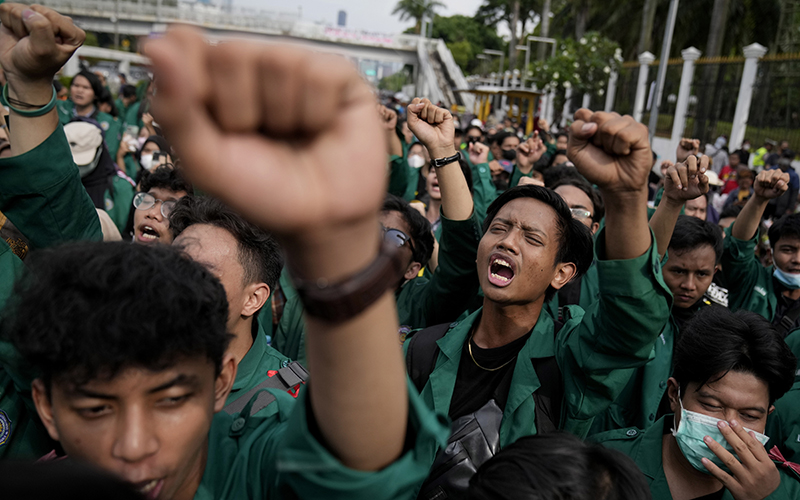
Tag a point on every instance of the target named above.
point(341, 301)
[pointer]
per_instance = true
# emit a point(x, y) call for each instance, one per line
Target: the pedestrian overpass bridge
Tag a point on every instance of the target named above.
point(435, 73)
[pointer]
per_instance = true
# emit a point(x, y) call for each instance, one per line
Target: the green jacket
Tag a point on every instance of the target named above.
point(596, 350)
point(119, 201)
point(783, 424)
point(288, 336)
point(590, 293)
point(483, 190)
point(252, 370)
point(43, 196)
point(645, 448)
point(112, 127)
point(754, 290)
point(255, 457)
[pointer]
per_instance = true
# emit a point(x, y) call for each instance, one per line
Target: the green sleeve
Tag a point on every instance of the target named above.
point(398, 175)
point(112, 128)
point(749, 282)
point(130, 167)
point(64, 109)
point(311, 471)
point(288, 336)
point(119, 202)
point(453, 285)
point(43, 195)
point(483, 190)
point(613, 337)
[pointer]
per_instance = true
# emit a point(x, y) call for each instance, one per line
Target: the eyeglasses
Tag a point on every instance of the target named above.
point(397, 237)
point(146, 201)
point(580, 213)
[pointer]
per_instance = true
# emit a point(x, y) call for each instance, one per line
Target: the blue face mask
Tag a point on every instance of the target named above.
point(789, 280)
point(693, 428)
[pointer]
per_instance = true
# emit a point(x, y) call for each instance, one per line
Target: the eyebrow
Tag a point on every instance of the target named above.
point(524, 227)
point(758, 409)
point(181, 380)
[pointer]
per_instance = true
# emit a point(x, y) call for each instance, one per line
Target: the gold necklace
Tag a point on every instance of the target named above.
point(469, 348)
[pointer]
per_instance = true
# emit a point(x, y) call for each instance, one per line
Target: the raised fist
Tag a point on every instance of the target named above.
point(478, 153)
point(388, 117)
point(610, 150)
point(433, 126)
point(686, 148)
point(529, 152)
point(687, 180)
point(771, 184)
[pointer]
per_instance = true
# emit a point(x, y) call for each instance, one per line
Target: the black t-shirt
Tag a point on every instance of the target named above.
point(785, 304)
point(476, 386)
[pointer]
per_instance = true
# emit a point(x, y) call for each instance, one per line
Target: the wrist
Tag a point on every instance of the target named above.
point(442, 151)
point(673, 202)
point(33, 92)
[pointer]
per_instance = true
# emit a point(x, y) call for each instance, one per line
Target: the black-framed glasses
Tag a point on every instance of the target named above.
point(580, 213)
point(146, 201)
point(398, 237)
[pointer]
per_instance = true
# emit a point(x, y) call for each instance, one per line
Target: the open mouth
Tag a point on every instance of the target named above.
point(150, 489)
point(148, 234)
point(501, 271)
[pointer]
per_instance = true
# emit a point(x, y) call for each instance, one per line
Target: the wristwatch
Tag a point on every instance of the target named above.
point(441, 162)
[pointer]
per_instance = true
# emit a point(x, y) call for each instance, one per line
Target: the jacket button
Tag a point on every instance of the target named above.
point(652, 417)
point(284, 363)
point(662, 384)
point(238, 424)
point(632, 432)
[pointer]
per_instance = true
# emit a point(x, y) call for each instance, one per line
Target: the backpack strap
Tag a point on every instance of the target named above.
point(549, 397)
point(786, 324)
point(422, 353)
point(287, 378)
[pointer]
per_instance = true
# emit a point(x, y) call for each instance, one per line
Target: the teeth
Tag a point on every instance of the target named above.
point(502, 263)
point(497, 276)
point(148, 487)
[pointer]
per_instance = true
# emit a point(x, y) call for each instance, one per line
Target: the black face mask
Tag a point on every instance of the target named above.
point(510, 154)
point(473, 140)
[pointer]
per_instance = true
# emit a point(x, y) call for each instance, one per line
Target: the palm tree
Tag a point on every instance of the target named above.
point(416, 10)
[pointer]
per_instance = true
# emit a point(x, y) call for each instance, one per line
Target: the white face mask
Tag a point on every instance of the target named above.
point(146, 161)
point(416, 161)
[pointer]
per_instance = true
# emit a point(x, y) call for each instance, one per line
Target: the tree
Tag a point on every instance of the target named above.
point(416, 10)
point(466, 38)
point(513, 12)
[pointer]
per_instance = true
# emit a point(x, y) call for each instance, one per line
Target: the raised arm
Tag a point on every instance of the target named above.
point(529, 152)
point(301, 153)
point(769, 184)
point(684, 181)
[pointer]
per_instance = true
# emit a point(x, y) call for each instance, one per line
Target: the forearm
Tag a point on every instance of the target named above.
point(750, 218)
point(456, 199)
point(395, 146)
point(364, 429)
point(627, 232)
point(25, 133)
point(663, 223)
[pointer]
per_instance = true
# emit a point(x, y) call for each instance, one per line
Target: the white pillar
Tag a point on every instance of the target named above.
point(689, 56)
point(565, 113)
point(611, 92)
point(549, 108)
point(125, 68)
point(587, 100)
point(645, 60)
point(752, 54)
point(505, 85)
point(72, 67)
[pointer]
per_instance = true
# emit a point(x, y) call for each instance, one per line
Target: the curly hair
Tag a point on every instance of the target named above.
point(89, 310)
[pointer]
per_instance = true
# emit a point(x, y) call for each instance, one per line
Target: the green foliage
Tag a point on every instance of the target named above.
point(583, 65)
point(91, 40)
point(395, 82)
point(416, 10)
point(466, 38)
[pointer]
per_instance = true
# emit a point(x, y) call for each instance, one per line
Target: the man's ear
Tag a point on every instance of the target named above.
point(673, 393)
point(412, 271)
point(717, 268)
point(595, 227)
point(224, 381)
point(256, 295)
point(771, 409)
point(565, 271)
point(44, 407)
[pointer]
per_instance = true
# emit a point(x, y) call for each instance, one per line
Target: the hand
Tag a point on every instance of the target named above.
point(530, 180)
point(685, 148)
point(266, 146)
point(771, 184)
point(147, 120)
point(611, 151)
point(529, 152)
point(433, 126)
point(754, 475)
point(35, 42)
point(478, 153)
point(686, 181)
point(388, 118)
point(495, 167)
point(419, 207)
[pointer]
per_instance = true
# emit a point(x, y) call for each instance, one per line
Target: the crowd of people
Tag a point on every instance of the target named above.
point(249, 278)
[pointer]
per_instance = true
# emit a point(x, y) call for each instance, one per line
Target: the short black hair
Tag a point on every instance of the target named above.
point(420, 227)
point(89, 310)
point(691, 232)
point(787, 226)
point(559, 173)
point(716, 341)
point(258, 252)
point(730, 211)
point(105, 98)
point(575, 241)
point(558, 466)
point(164, 177)
point(500, 137)
point(473, 127)
point(593, 194)
point(127, 91)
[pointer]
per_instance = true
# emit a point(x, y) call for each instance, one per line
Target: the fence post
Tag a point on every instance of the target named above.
point(611, 92)
point(689, 56)
point(645, 60)
point(587, 100)
point(752, 54)
point(565, 112)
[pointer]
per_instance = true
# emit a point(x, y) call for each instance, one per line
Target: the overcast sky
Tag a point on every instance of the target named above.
point(369, 15)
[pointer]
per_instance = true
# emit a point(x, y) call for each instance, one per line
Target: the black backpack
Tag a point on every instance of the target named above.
point(475, 438)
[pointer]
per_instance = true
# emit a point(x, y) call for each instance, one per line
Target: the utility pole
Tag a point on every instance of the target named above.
point(662, 67)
